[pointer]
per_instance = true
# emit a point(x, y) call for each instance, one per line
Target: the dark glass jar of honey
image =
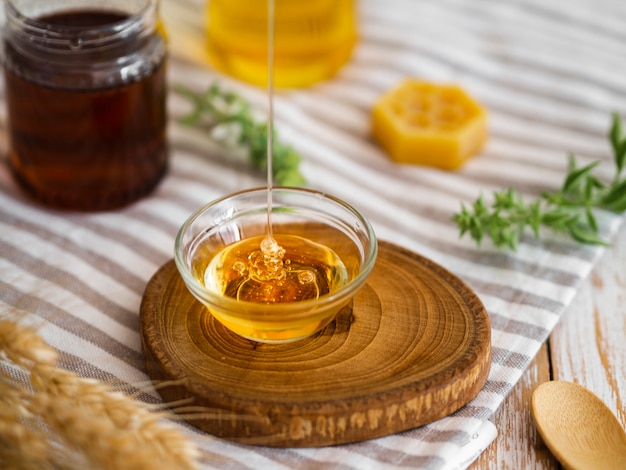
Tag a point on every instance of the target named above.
point(86, 99)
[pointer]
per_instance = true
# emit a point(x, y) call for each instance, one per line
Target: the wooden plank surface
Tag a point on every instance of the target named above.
point(518, 444)
point(588, 347)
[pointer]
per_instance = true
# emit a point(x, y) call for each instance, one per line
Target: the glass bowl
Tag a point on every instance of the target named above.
point(325, 239)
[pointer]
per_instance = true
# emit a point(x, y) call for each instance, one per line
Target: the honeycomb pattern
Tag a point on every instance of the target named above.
point(429, 124)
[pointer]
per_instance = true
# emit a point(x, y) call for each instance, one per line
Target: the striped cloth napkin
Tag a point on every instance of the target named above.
point(550, 74)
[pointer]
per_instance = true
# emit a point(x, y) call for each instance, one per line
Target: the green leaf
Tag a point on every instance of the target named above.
point(480, 208)
point(584, 234)
point(577, 176)
point(191, 118)
point(557, 218)
point(620, 157)
point(615, 199)
point(288, 177)
point(534, 219)
point(616, 133)
point(618, 142)
point(596, 183)
point(591, 220)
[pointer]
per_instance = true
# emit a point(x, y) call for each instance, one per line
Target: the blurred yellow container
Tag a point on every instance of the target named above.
point(312, 39)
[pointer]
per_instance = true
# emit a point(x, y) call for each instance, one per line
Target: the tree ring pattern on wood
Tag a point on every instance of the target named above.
point(412, 347)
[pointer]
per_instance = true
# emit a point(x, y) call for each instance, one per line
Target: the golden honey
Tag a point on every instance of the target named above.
point(301, 270)
point(313, 39)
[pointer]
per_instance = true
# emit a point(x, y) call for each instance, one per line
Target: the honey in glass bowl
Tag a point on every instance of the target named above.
point(327, 250)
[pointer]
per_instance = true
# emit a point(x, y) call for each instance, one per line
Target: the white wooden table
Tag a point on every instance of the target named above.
point(588, 347)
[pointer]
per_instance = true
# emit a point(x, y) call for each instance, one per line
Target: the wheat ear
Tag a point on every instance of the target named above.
point(60, 420)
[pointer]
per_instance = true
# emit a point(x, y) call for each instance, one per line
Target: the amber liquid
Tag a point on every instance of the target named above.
point(96, 146)
point(306, 271)
point(313, 39)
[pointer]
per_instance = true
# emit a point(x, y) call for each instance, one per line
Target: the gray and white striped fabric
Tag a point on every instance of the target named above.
point(550, 74)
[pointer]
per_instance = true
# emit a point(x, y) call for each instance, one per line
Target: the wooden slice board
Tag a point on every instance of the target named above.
point(413, 346)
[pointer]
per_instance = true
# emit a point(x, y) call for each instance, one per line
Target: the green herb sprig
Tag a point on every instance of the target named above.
point(215, 108)
point(569, 210)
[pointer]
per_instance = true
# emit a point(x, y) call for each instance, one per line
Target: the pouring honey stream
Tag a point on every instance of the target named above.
point(281, 268)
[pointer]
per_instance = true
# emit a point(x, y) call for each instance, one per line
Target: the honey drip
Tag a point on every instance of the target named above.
point(262, 270)
point(272, 253)
point(268, 278)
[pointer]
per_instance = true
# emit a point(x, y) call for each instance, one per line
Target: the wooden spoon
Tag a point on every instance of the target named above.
point(578, 427)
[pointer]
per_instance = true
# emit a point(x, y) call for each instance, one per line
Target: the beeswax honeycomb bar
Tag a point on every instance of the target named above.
point(429, 124)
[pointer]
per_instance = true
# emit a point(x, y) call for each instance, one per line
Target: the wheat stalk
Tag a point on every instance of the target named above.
point(59, 420)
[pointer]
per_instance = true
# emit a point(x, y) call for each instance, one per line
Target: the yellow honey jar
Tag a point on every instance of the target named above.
point(312, 40)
